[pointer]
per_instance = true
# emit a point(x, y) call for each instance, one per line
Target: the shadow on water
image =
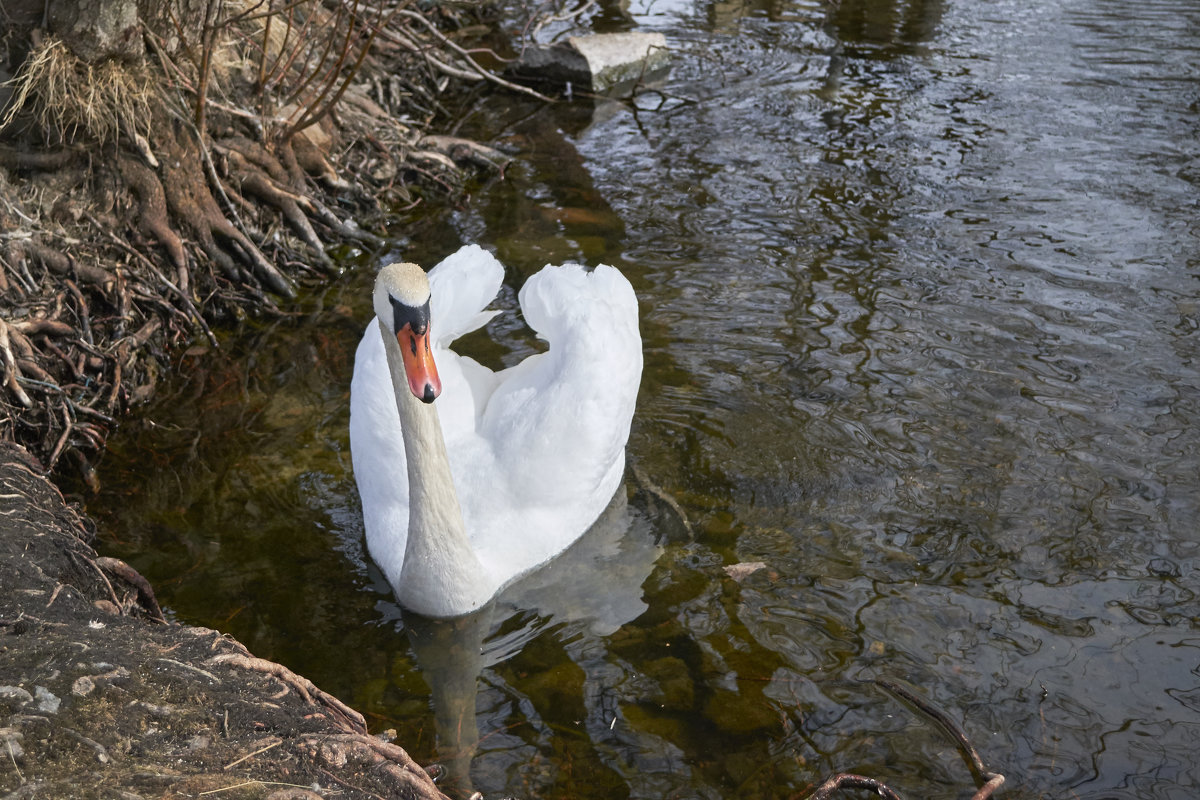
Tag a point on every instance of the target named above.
point(918, 288)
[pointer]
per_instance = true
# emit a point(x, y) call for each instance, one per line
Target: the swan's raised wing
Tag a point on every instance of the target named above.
point(461, 287)
point(584, 387)
point(558, 422)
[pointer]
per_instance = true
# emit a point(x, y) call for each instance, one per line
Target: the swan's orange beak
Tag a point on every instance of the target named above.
point(423, 380)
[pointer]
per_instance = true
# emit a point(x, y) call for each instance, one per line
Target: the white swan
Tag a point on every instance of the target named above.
point(507, 468)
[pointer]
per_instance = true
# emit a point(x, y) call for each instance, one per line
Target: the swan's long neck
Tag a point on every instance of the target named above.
point(441, 575)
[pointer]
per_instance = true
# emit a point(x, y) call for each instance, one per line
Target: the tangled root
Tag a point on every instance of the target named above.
point(159, 195)
point(71, 100)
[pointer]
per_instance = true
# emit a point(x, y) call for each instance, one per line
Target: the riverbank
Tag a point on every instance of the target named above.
point(101, 698)
point(158, 182)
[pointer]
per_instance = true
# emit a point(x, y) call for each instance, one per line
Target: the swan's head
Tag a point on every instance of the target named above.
point(402, 305)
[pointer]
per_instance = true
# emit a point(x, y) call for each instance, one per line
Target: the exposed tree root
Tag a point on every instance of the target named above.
point(192, 203)
point(145, 592)
point(405, 777)
point(52, 159)
point(153, 220)
point(347, 717)
point(145, 709)
point(260, 174)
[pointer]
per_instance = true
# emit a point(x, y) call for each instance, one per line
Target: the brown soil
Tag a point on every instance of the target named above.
point(101, 699)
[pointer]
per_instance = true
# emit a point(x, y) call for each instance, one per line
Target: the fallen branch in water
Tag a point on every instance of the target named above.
point(990, 781)
point(846, 780)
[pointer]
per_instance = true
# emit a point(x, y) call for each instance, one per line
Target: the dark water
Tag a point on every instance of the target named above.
point(919, 287)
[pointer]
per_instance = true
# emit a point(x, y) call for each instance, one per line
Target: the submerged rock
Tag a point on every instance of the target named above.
point(595, 63)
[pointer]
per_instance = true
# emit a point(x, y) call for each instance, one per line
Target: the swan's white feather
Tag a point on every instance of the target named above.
point(537, 450)
point(461, 287)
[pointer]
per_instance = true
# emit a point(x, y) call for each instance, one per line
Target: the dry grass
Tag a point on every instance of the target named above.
point(79, 101)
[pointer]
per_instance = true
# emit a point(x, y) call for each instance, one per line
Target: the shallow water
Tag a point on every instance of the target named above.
point(919, 289)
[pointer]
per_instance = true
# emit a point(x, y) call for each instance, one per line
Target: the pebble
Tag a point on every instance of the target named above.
point(47, 701)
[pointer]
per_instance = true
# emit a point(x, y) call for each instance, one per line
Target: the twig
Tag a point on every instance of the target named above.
point(544, 21)
point(312, 114)
point(54, 388)
point(208, 36)
point(244, 784)
point(203, 672)
point(12, 372)
point(483, 73)
point(62, 440)
point(282, 66)
point(846, 780)
point(107, 582)
point(991, 781)
point(85, 324)
point(241, 785)
point(266, 38)
point(951, 727)
point(183, 296)
point(101, 753)
point(309, 76)
point(13, 756)
point(277, 741)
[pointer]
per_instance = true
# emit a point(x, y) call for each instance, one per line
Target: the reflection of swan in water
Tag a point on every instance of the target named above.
point(594, 587)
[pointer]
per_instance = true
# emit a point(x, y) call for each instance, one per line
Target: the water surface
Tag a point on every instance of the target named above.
point(919, 294)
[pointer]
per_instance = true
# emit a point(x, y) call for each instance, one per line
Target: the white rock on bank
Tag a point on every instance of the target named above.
point(597, 62)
